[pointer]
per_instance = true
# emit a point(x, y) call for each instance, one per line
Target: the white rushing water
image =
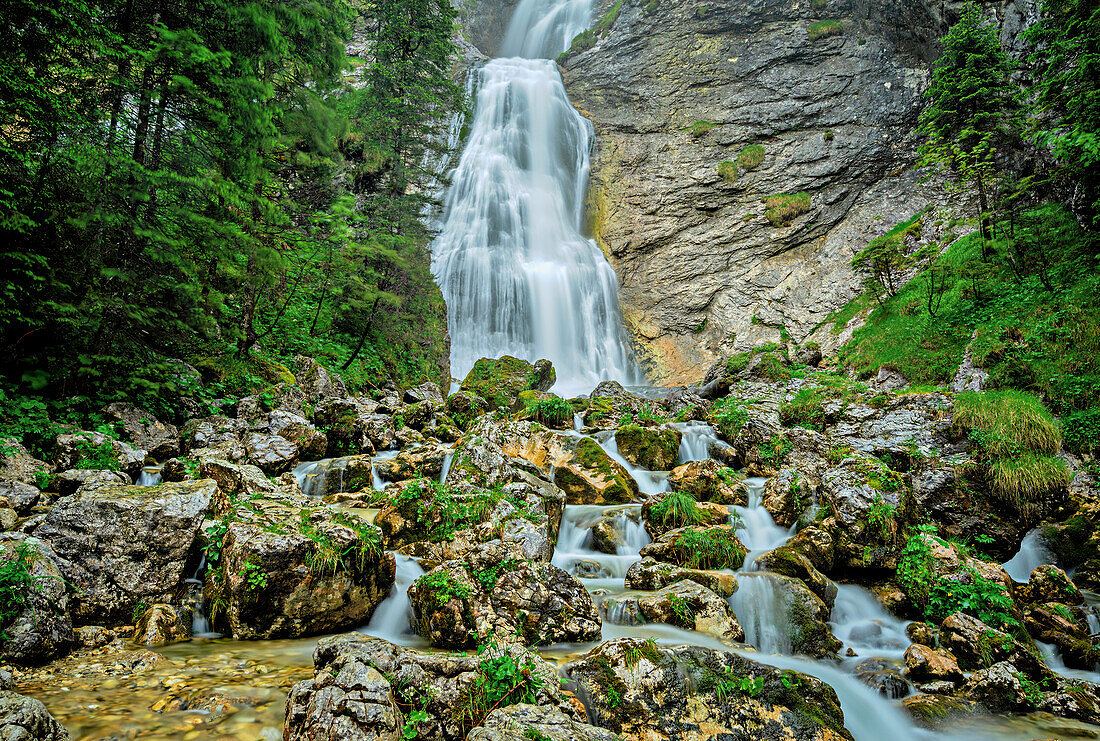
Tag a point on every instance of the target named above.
point(862, 624)
point(518, 275)
point(1033, 553)
point(391, 619)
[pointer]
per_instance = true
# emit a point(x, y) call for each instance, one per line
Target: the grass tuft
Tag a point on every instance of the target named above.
point(728, 171)
point(751, 157)
point(786, 206)
point(1008, 423)
point(824, 29)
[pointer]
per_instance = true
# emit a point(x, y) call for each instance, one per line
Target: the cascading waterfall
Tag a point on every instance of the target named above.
point(518, 276)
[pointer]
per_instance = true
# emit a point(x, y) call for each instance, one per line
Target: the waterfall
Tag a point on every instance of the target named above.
point(518, 275)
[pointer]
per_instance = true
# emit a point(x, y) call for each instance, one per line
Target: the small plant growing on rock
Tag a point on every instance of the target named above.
point(676, 509)
point(806, 409)
point(15, 583)
point(824, 29)
point(502, 680)
point(444, 587)
point(681, 609)
point(729, 415)
point(751, 157)
point(710, 548)
point(783, 207)
point(550, 412)
point(728, 171)
point(699, 129)
point(254, 576)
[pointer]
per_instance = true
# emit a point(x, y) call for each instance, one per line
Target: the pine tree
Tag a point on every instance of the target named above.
point(972, 109)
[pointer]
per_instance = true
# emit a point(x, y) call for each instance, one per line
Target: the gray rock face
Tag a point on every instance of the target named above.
point(71, 450)
point(145, 431)
point(43, 630)
point(835, 115)
point(19, 495)
point(120, 545)
point(26, 719)
point(513, 723)
point(316, 382)
point(16, 464)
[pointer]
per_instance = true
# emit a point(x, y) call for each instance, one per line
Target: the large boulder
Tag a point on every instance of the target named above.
point(96, 450)
point(216, 435)
point(118, 546)
point(366, 688)
point(16, 464)
point(287, 572)
point(1051, 584)
point(526, 722)
point(354, 427)
point(67, 482)
point(590, 476)
point(978, 646)
point(335, 475)
point(651, 575)
point(683, 604)
point(493, 593)
point(790, 562)
point(316, 382)
point(925, 665)
point(26, 719)
point(42, 629)
point(272, 454)
point(651, 448)
point(414, 462)
point(162, 624)
point(22, 497)
point(464, 408)
point(640, 690)
point(786, 496)
point(499, 381)
point(709, 481)
point(310, 442)
point(160, 439)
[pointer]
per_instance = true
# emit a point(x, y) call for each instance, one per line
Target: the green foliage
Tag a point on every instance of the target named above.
point(751, 157)
point(728, 171)
point(254, 576)
point(676, 509)
point(729, 415)
point(440, 511)
point(709, 548)
point(783, 207)
point(552, 411)
point(880, 516)
point(823, 29)
point(681, 609)
point(805, 409)
point(15, 585)
point(887, 257)
point(502, 680)
point(444, 587)
point(411, 728)
point(488, 576)
point(699, 128)
point(772, 451)
point(1081, 431)
point(588, 38)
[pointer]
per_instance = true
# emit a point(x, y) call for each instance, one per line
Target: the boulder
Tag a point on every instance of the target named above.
point(270, 453)
point(117, 546)
point(219, 435)
point(1000, 689)
point(426, 391)
point(807, 619)
point(288, 572)
point(42, 629)
point(651, 448)
point(493, 593)
point(715, 547)
point(499, 381)
point(1051, 584)
point(651, 575)
point(978, 646)
point(789, 562)
point(640, 690)
point(709, 481)
point(1065, 627)
point(310, 442)
point(786, 497)
point(26, 719)
point(353, 427)
point(22, 497)
point(935, 710)
point(464, 408)
point(706, 515)
point(16, 464)
point(924, 665)
point(316, 382)
point(883, 676)
point(416, 462)
point(683, 604)
point(160, 439)
point(365, 688)
point(86, 449)
point(590, 476)
point(162, 624)
point(67, 482)
point(335, 475)
point(525, 722)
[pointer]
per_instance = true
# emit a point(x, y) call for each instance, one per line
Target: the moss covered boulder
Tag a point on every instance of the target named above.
point(590, 476)
point(651, 448)
point(649, 575)
point(710, 481)
point(683, 604)
point(640, 690)
point(499, 381)
point(715, 547)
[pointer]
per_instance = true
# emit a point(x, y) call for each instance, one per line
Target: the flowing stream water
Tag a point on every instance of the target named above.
point(519, 276)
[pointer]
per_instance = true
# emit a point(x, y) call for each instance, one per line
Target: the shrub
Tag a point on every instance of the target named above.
point(1081, 431)
point(728, 171)
point(823, 29)
point(751, 157)
point(502, 680)
point(786, 206)
point(551, 411)
point(710, 548)
point(806, 409)
point(676, 509)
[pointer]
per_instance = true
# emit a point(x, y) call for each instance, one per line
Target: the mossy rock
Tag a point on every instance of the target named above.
point(592, 477)
point(932, 711)
point(499, 381)
point(651, 448)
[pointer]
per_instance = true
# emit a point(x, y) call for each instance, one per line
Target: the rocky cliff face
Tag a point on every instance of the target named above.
point(831, 89)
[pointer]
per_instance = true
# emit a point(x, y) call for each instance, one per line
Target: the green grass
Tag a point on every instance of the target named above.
point(751, 157)
point(786, 206)
point(728, 171)
point(806, 409)
point(551, 411)
point(710, 548)
point(1008, 423)
point(588, 38)
point(823, 29)
point(676, 509)
point(699, 128)
point(1026, 480)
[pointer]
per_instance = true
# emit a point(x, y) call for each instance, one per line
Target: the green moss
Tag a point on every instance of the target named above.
point(783, 207)
point(652, 449)
point(590, 455)
point(709, 548)
point(499, 380)
point(751, 157)
point(823, 29)
point(699, 128)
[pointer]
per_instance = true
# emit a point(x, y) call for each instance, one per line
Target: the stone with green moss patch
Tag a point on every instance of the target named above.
point(651, 448)
point(499, 381)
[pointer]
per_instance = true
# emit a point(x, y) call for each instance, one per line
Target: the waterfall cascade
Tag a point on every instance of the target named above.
point(518, 275)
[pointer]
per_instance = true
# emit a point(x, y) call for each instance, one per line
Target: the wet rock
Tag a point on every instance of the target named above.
point(606, 538)
point(683, 604)
point(935, 710)
point(289, 572)
point(640, 690)
point(651, 448)
point(816, 544)
point(219, 435)
point(353, 427)
point(162, 624)
point(42, 630)
point(16, 464)
point(977, 646)
point(1067, 628)
point(524, 722)
point(650, 575)
point(26, 719)
point(6, 681)
point(464, 408)
point(709, 481)
point(499, 381)
point(117, 546)
point(22, 497)
point(922, 633)
point(361, 685)
point(316, 382)
point(415, 462)
point(334, 475)
point(789, 562)
point(882, 676)
point(1051, 584)
point(590, 476)
point(69, 481)
point(82, 449)
point(494, 593)
point(427, 391)
point(233, 480)
point(807, 619)
point(786, 497)
point(1072, 698)
point(93, 636)
point(271, 454)
point(715, 547)
point(999, 688)
point(310, 442)
point(160, 439)
point(924, 665)
point(705, 514)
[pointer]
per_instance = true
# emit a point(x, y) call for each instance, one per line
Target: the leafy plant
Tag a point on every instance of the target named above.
point(729, 415)
point(681, 609)
point(502, 680)
point(552, 411)
point(444, 587)
point(676, 509)
point(254, 576)
point(15, 585)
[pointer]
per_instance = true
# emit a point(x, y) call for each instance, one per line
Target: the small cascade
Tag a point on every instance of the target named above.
point(649, 483)
point(392, 619)
point(758, 530)
point(862, 624)
point(1032, 554)
point(698, 441)
point(150, 476)
point(574, 552)
point(311, 476)
point(544, 28)
point(761, 606)
point(200, 624)
point(376, 480)
point(446, 468)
